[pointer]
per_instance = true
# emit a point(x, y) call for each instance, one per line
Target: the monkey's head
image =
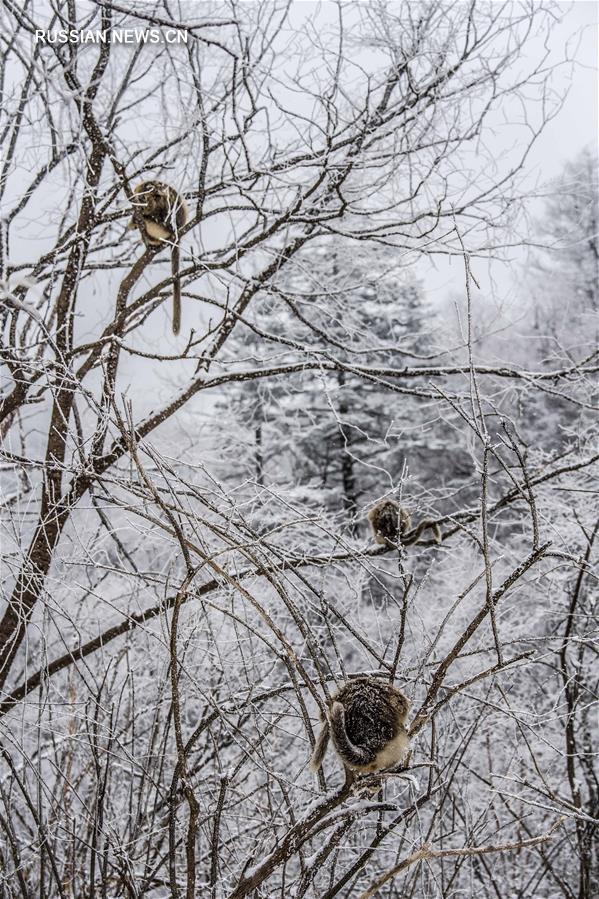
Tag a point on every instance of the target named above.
point(388, 520)
point(401, 704)
point(151, 196)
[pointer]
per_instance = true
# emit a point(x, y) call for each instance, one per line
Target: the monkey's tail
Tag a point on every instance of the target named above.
point(349, 752)
point(320, 749)
point(421, 527)
point(176, 289)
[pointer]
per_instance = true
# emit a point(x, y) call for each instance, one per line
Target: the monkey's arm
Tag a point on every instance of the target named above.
point(320, 748)
point(349, 752)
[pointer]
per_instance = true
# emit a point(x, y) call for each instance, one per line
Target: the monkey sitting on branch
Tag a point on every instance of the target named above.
point(391, 525)
point(366, 720)
point(164, 213)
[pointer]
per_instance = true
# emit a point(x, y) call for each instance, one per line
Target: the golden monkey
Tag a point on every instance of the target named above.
point(164, 214)
point(367, 723)
point(390, 522)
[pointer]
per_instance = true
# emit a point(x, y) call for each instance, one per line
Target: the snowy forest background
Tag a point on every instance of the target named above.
point(384, 294)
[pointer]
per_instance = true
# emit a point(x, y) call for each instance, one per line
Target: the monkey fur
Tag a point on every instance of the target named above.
point(164, 213)
point(366, 721)
point(390, 522)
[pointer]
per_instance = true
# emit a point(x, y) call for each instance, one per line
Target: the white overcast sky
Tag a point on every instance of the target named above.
point(575, 126)
point(578, 123)
point(575, 37)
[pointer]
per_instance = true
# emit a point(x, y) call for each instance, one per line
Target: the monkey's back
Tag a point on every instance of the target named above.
point(388, 520)
point(374, 712)
point(162, 205)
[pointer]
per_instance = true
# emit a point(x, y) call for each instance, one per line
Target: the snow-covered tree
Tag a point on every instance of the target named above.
point(182, 591)
point(331, 431)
